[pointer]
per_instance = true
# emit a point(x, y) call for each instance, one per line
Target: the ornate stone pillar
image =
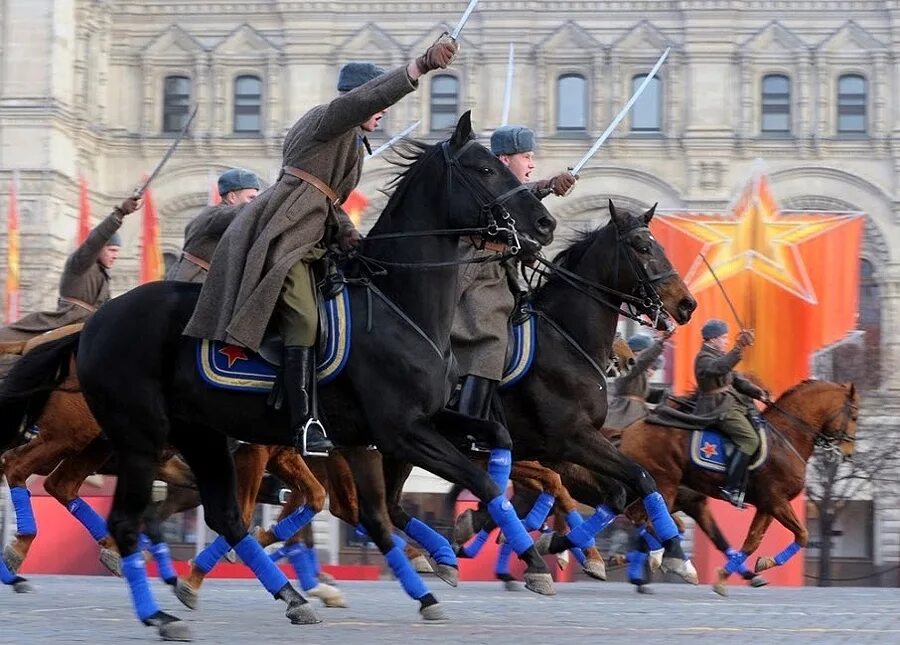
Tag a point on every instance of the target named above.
point(747, 100)
point(822, 100)
point(803, 121)
point(541, 89)
point(148, 124)
point(201, 95)
point(880, 92)
point(272, 96)
point(890, 326)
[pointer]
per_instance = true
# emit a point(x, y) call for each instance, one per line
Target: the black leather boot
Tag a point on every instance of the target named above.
point(299, 367)
point(475, 397)
point(735, 476)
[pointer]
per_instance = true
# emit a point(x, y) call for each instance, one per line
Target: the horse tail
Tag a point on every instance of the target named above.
point(30, 382)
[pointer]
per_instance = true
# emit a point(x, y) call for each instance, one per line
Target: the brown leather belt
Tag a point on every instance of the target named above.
point(193, 259)
point(488, 245)
point(78, 303)
point(323, 188)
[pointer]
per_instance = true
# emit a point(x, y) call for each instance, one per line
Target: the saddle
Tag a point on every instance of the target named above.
point(665, 415)
point(25, 346)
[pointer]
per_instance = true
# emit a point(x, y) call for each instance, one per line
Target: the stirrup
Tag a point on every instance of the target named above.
point(304, 450)
point(734, 497)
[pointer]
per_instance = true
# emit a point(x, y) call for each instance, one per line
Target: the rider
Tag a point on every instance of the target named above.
point(631, 391)
point(486, 300)
point(83, 286)
point(260, 271)
point(236, 188)
point(722, 392)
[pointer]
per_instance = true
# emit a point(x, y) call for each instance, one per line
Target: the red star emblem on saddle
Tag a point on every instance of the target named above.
point(709, 450)
point(234, 354)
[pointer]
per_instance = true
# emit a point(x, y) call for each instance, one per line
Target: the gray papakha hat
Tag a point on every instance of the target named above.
point(114, 240)
point(237, 179)
point(352, 75)
point(511, 140)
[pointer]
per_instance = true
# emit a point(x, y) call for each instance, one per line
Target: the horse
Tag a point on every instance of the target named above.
point(556, 411)
point(139, 377)
point(811, 413)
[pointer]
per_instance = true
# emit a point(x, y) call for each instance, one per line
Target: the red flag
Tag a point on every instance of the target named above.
point(12, 257)
point(354, 206)
point(84, 213)
point(151, 255)
point(214, 196)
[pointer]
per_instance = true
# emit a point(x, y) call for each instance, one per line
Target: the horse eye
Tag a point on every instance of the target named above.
point(487, 171)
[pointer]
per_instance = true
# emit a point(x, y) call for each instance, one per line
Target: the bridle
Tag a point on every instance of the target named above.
point(829, 441)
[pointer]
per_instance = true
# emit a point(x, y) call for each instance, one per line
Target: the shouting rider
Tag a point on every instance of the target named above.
point(202, 234)
point(261, 271)
point(723, 393)
point(479, 335)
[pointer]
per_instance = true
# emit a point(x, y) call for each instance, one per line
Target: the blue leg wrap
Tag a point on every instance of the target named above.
point(410, 581)
point(650, 539)
point(510, 524)
point(21, 499)
point(7, 577)
point(144, 542)
point(502, 567)
point(539, 512)
point(313, 559)
point(473, 548)
point(209, 557)
point(163, 558)
point(432, 541)
point(583, 535)
point(735, 561)
point(636, 566)
point(278, 554)
point(293, 523)
point(296, 553)
point(659, 517)
point(272, 578)
point(580, 557)
point(83, 512)
point(789, 552)
point(135, 573)
point(574, 520)
point(499, 467)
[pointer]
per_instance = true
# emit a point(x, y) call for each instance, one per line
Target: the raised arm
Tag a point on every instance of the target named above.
point(85, 255)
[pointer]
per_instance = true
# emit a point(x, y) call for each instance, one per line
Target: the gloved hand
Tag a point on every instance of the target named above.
point(562, 183)
point(439, 55)
point(349, 239)
point(130, 205)
point(745, 338)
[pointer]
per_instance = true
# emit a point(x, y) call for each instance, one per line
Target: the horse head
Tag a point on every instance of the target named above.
point(828, 411)
point(499, 200)
point(646, 273)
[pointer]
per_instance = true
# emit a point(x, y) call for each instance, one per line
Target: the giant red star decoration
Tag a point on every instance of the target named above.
point(233, 353)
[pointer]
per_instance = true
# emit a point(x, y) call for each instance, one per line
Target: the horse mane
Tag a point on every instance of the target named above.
point(406, 153)
point(570, 256)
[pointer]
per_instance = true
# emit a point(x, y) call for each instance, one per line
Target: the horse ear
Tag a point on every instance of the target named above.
point(613, 215)
point(463, 130)
point(649, 214)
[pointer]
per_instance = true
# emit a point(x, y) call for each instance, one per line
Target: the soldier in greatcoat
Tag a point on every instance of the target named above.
point(202, 234)
point(260, 271)
point(727, 395)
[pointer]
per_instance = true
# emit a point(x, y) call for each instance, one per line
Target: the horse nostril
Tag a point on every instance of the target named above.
point(546, 224)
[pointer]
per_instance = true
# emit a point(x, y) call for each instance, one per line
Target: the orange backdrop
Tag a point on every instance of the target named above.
point(793, 278)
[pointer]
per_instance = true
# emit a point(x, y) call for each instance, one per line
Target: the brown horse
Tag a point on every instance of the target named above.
point(812, 413)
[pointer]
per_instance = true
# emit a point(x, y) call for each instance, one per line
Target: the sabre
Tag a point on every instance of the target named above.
point(384, 146)
point(507, 98)
point(621, 115)
point(724, 293)
point(162, 162)
point(465, 18)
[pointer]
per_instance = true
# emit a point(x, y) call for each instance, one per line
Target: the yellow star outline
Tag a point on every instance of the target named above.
point(755, 237)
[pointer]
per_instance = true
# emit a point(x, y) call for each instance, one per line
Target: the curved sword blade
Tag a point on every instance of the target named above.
point(507, 98)
point(384, 146)
point(465, 18)
point(162, 162)
point(621, 115)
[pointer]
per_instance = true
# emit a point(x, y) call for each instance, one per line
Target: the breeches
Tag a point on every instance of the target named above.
point(296, 311)
point(739, 429)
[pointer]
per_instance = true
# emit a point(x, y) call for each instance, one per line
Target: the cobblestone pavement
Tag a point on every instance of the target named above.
point(97, 610)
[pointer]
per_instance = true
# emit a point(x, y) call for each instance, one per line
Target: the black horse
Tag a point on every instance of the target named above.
point(556, 411)
point(139, 377)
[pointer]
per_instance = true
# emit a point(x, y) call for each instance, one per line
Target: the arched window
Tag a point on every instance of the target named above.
point(869, 321)
point(176, 102)
point(571, 102)
point(646, 115)
point(776, 104)
point(444, 102)
point(247, 105)
point(851, 104)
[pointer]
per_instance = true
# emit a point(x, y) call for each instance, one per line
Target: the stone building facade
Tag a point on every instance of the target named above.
point(812, 87)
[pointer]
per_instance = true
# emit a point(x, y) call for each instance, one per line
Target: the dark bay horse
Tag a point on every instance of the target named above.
point(139, 377)
point(809, 414)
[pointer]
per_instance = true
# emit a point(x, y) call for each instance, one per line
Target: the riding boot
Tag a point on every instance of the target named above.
point(299, 366)
point(735, 476)
point(475, 397)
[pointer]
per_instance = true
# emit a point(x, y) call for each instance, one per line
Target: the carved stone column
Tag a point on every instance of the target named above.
point(273, 96)
point(822, 100)
point(890, 326)
point(148, 123)
point(541, 90)
point(880, 92)
point(803, 121)
point(201, 93)
point(747, 98)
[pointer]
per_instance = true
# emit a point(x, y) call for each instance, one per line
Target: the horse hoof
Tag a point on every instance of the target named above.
point(763, 563)
point(720, 589)
point(655, 559)
point(177, 630)
point(330, 596)
point(302, 613)
point(684, 569)
point(326, 578)
point(464, 528)
point(596, 569)
point(188, 596)
point(421, 564)
point(542, 544)
point(513, 585)
point(448, 574)
point(758, 581)
point(112, 561)
point(540, 583)
point(22, 586)
point(12, 558)
point(644, 589)
point(434, 613)
point(562, 560)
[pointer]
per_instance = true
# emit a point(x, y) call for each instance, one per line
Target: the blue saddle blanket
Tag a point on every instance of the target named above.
point(710, 450)
point(234, 368)
point(521, 352)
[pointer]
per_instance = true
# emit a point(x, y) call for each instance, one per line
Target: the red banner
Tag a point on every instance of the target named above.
point(12, 254)
point(151, 255)
point(84, 212)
